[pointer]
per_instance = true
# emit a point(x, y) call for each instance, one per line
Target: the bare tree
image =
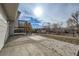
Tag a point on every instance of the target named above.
point(73, 22)
point(56, 28)
point(75, 17)
point(71, 26)
point(46, 26)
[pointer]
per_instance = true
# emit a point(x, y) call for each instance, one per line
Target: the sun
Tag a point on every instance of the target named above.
point(38, 11)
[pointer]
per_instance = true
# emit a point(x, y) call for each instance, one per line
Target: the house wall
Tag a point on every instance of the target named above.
point(4, 32)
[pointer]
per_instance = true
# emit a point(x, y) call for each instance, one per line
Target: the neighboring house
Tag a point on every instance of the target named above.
point(8, 15)
point(23, 27)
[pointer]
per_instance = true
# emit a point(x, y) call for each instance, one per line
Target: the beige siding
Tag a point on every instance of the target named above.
point(3, 27)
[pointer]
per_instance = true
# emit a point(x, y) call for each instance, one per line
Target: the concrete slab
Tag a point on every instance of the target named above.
point(36, 45)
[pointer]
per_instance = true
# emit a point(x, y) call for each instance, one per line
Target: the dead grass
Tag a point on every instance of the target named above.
point(72, 40)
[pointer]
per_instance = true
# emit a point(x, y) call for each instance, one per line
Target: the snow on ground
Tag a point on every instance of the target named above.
point(39, 45)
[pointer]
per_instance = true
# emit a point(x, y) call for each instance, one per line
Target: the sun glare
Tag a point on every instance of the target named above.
point(38, 11)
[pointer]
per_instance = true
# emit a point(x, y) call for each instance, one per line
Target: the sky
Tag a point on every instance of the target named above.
point(52, 13)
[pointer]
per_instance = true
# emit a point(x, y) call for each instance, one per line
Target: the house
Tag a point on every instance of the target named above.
point(8, 15)
point(23, 27)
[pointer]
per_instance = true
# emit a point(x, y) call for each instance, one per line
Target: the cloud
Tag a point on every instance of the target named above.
point(53, 13)
point(36, 25)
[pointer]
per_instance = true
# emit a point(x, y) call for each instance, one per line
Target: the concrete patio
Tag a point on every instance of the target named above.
point(36, 45)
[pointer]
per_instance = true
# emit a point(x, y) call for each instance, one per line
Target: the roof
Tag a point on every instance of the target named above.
point(11, 10)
